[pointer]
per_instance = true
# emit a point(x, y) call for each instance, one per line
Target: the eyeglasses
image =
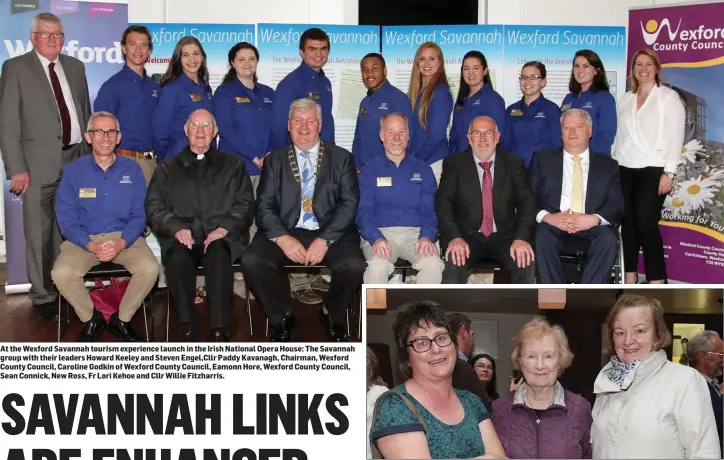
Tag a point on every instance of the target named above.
point(207, 125)
point(483, 366)
point(721, 355)
point(422, 345)
point(488, 133)
point(529, 77)
point(100, 134)
point(46, 35)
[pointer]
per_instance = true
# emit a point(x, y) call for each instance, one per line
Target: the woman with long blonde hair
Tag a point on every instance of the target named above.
point(432, 104)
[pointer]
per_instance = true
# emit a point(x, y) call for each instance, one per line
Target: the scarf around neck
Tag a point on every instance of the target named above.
point(619, 370)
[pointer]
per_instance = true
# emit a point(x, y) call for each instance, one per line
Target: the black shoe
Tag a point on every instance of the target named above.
point(334, 332)
point(122, 329)
point(219, 335)
point(188, 333)
point(48, 311)
point(93, 328)
point(282, 332)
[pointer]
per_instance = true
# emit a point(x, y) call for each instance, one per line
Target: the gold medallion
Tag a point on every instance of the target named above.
point(307, 204)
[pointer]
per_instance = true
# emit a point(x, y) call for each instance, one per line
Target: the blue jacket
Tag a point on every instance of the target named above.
point(300, 83)
point(179, 98)
point(432, 145)
point(92, 201)
point(488, 102)
point(531, 127)
point(387, 99)
point(244, 117)
point(392, 196)
point(601, 106)
point(133, 100)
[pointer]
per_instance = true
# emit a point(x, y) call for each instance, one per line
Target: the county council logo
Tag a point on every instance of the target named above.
point(652, 30)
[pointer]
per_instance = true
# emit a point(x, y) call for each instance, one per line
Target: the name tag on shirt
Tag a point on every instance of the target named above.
point(195, 97)
point(87, 193)
point(363, 111)
point(565, 107)
point(416, 177)
point(313, 95)
point(241, 100)
point(384, 182)
point(516, 113)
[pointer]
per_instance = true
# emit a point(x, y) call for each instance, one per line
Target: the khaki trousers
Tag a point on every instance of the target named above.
point(74, 262)
point(148, 165)
point(403, 241)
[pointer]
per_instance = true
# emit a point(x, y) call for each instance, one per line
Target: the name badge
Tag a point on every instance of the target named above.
point(241, 99)
point(313, 95)
point(516, 113)
point(363, 111)
point(195, 97)
point(87, 193)
point(565, 107)
point(384, 182)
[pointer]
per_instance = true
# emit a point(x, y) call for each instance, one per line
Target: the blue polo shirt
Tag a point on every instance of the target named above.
point(302, 82)
point(486, 102)
point(133, 100)
point(432, 145)
point(392, 196)
point(244, 117)
point(531, 127)
point(601, 106)
point(92, 201)
point(386, 99)
point(179, 98)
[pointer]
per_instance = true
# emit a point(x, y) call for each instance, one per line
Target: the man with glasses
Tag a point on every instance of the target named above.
point(464, 376)
point(100, 213)
point(485, 208)
point(706, 355)
point(200, 206)
point(44, 106)
point(132, 96)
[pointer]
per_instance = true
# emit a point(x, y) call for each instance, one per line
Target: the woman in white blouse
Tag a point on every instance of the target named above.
point(648, 148)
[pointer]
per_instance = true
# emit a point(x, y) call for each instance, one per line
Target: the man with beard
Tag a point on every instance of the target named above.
point(132, 96)
point(200, 205)
point(396, 214)
point(464, 376)
point(705, 352)
point(307, 201)
point(382, 99)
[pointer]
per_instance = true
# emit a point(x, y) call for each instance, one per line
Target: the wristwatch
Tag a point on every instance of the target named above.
point(600, 221)
point(670, 175)
point(327, 243)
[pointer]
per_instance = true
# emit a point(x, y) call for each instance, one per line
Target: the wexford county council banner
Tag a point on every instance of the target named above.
point(93, 33)
point(689, 41)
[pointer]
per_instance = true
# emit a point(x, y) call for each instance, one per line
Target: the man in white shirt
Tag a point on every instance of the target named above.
point(44, 105)
point(573, 202)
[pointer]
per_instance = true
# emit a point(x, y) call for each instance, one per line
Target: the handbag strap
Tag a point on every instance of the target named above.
point(375, 451)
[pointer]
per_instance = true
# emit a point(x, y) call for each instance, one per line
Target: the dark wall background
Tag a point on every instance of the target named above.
point(417, 12)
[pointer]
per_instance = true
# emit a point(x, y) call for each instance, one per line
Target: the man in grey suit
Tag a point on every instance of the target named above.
point(44, 105)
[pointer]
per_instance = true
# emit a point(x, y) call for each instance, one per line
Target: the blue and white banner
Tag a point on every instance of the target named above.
point(216, 39)
point(279, 50)
point(93, 33)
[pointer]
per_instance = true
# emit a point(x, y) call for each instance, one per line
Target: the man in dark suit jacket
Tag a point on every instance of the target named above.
point(706, 355)
point(485, 208)
point(44, 109)
point(464, 376)
point(307, 203)
point(578, 192)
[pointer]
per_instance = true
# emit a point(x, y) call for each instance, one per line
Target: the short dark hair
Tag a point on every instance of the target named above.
point(409, 318)
point(373, 55)
point(600, 81)
point(139, 30)
point(538, 65)
point(313, 34)
point(457, 321)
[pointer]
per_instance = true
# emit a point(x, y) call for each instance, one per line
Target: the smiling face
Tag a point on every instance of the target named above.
point(532, 86)
point(429, 62)
point(583, 72)
point(315, 53)
point(539, 361)
point(373, 73)
point(103, 144)
point(191, 59)
point(394, 136)
point(436, 363)
point(576, 133)
point(483, 137)
point(137, 48)
point(49, 47)
point(484, 370)
point(245, 63)
point(200, 131)
point(644, 70)
point(634, 334)
point(473, 72)
point(305, 127)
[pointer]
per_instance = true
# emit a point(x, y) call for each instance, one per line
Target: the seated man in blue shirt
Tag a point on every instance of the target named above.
point(100, 212)
point(396, 214)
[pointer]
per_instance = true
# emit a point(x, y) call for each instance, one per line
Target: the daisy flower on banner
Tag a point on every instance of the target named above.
point(674, 205)
point(714, 174)
point(694, 194)
point(690, 150)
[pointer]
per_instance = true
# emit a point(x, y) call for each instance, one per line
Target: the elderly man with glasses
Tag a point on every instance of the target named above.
point(100, 213)
point(705, 355)
point(200, 206)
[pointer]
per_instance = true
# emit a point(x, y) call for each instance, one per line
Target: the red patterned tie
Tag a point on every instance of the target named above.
point(62, 106)
point(486, 227)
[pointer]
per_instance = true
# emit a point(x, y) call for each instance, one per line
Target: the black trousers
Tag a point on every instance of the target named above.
point(601, 253)
point(640, 224)
point(493, 247)
point(263, 266)
point(180, 266)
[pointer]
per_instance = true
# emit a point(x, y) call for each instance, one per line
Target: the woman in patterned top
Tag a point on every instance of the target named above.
point(446, 422)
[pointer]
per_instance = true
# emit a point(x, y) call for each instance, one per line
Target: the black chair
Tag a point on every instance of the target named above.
point(105, 271)
point(356, 299)
point(574, 256)
point(236, 268)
